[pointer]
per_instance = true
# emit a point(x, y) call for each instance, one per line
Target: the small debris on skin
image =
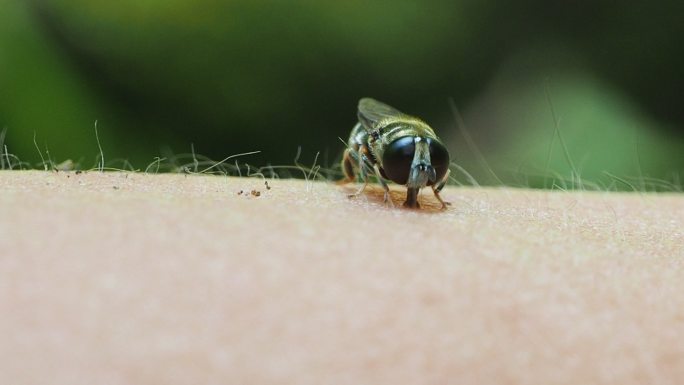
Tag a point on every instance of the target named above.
point(78, 172)
point(254, 193)
point(267, 186)
point(115, 187)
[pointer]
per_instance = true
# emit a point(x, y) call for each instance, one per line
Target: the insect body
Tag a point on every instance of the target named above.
point(397, 147)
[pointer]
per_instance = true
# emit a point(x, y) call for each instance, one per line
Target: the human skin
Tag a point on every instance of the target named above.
point(119, 278)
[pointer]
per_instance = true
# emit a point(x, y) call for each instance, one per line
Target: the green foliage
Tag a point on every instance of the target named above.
point(272, 76)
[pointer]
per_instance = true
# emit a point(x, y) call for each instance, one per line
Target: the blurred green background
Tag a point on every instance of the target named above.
point(244, 75)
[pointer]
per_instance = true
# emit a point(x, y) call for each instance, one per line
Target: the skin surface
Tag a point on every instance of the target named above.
point(121, 278)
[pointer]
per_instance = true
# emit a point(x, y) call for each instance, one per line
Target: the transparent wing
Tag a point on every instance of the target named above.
point(372, 111)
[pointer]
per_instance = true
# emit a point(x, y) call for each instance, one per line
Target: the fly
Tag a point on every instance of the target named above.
point(395, 147)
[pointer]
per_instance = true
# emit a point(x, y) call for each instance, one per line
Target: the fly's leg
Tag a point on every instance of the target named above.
point(387, 198)
point(363, 150)
point(439, 198)
point(360, 190)
point(347, 167)
point(436, 188)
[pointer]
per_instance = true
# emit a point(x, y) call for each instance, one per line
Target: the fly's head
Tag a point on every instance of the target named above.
point(416, 162)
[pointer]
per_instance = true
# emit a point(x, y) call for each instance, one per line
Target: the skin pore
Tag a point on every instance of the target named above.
point(137, 278)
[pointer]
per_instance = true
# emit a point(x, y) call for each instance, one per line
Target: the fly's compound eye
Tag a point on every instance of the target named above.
point(439, 158)
point(397, 159)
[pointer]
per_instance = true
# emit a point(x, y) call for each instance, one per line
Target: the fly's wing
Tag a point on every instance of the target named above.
point(372, 111)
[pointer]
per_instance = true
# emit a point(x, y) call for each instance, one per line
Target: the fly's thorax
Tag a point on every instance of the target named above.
point(358, 136)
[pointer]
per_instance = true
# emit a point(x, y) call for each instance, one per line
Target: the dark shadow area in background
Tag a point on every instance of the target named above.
point(274, 76)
